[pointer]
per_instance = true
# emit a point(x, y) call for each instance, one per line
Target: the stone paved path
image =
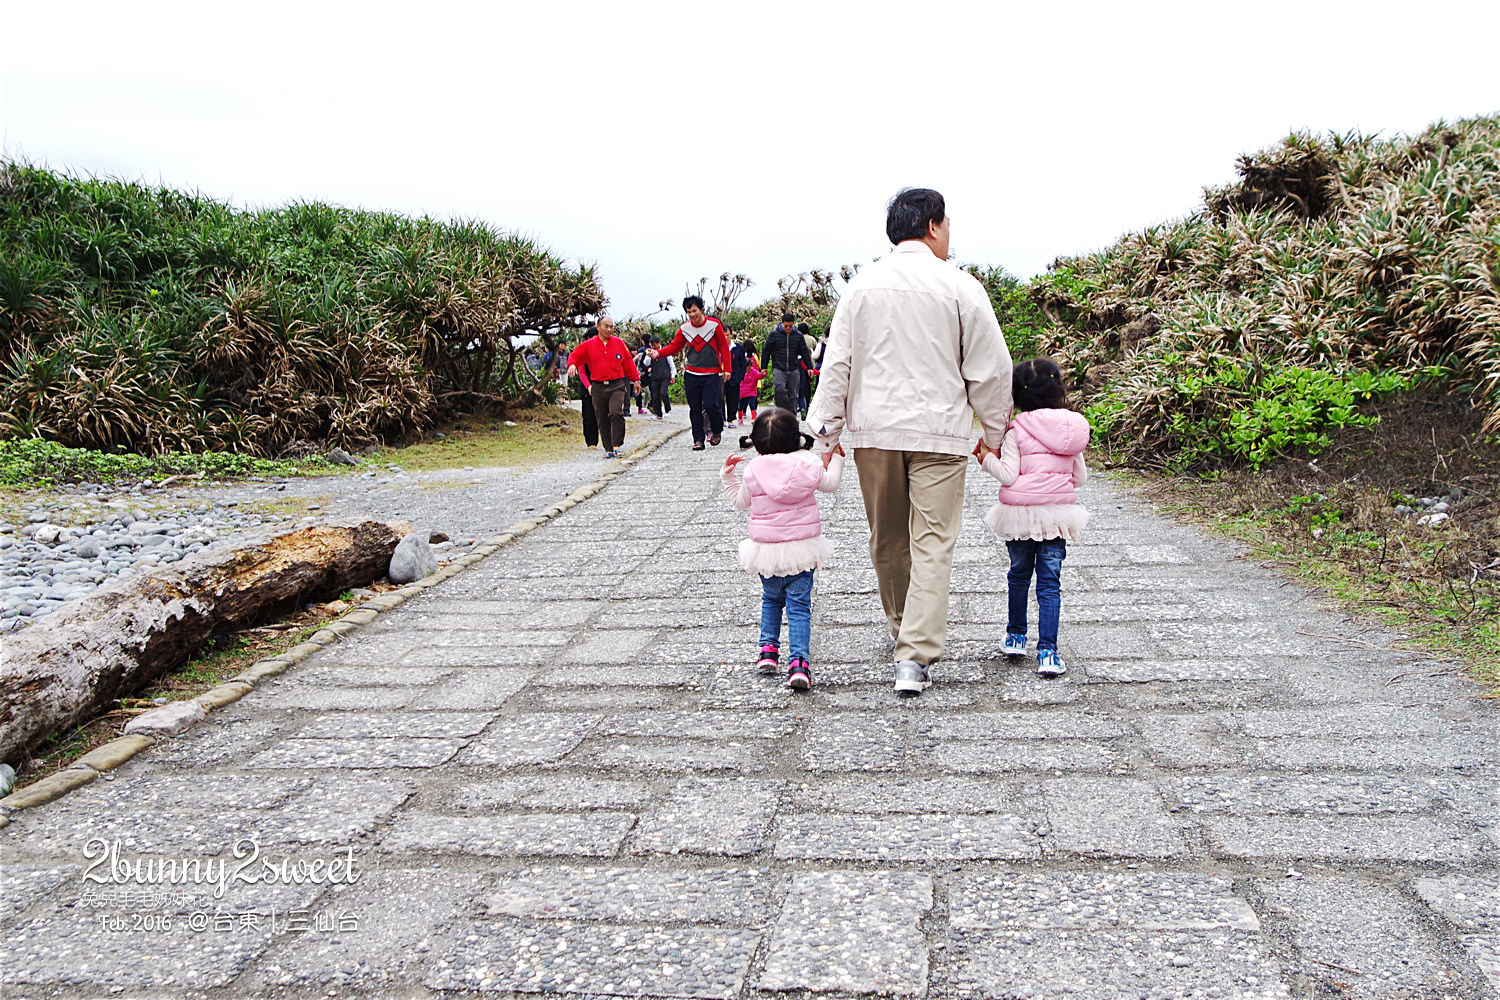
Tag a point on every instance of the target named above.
point(558, 773)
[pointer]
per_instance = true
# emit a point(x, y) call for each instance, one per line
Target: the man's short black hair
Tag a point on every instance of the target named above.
point(787, 317)
point(908, 214)
point(694, 300)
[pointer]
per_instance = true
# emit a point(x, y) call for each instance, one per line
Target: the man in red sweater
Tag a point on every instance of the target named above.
point(706, 367)
point(611, 369)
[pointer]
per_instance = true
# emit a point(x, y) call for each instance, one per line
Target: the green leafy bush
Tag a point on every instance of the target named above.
point(36, 463)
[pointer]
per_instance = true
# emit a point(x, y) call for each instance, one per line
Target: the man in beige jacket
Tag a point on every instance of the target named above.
point(913, 354)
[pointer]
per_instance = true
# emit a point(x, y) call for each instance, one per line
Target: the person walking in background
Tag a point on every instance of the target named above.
point(749, 391)
point(641, 365)
point(786, 544)
point(612, 371)
point(737, 359)
point(590, 424)
point(804, 387)
point(705, 363)
point(660, 372)
point(783, 356)
point(913, 355)
point(1039, 465)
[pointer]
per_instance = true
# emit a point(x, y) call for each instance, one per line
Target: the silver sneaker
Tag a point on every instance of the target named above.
point(911, 678)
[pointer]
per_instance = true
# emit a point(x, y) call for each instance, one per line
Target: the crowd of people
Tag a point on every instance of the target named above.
point(913, 357)
point(722, 376)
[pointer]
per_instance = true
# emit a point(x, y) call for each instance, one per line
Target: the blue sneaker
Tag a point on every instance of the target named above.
point(1015, 645)
point(1049, 664)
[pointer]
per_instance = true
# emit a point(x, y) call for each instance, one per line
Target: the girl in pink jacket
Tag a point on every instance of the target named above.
point(750, 387)
point(786, 542)
point(1039, 465)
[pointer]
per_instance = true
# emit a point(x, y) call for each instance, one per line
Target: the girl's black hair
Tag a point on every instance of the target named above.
point(776, 432)
point(1038, 385)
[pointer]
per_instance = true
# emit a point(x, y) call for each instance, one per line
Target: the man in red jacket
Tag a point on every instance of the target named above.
point(611, 370)
point(706, 365)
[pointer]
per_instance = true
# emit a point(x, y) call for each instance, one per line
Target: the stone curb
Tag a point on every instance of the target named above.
point(118, 751)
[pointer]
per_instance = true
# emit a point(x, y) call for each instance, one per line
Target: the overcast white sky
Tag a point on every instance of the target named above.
point(669, 141)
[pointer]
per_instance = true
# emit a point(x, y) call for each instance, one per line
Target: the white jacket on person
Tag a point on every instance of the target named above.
point(913, 354)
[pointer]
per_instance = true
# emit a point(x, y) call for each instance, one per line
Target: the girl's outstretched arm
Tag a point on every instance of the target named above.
point(1005, 465)
point(734, 482)
point(832, 472)
point(1080, 470)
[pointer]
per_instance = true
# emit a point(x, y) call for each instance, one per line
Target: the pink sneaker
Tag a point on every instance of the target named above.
point(770, 660)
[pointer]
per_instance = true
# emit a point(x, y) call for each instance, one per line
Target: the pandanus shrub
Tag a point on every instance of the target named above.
point(1337, 271)
point(144, 319)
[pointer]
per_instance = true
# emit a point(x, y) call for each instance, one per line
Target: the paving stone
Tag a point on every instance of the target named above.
point(1119, 671)
point(338, 698)
point(1187, 741)
point(1363, 838)
point(591, 834)
point(1110, 965)
point(340, 676)
point(624, 960)
point(1470, 903)
point(701, 725)
point(1098, 899)
point(1020, 726)
point(1366, 926)
point(1121, 817)
point(1311, 794)
point(605, 647)
point(864, 698)
point(908, 795)
point(475, 688)
point(476, 656)
point(561, 791)
point(1417, 752)
point(428, 725)
point(720, 816)
point(823, 937)
point(727, 897)
point(1036, 755)
point(1347, 722)
point(929, 836)
point(605, 699)
point(684, 755)
point(23, 885)
point(665, 676)
point(1028, 689)
point(357, 753)
point(383, 948)
point(537, 738)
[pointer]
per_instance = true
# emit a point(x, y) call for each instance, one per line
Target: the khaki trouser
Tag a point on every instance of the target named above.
point(914, 503)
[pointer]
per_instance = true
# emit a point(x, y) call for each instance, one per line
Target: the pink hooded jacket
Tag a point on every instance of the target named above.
point(783, 496)
point(1047, 440)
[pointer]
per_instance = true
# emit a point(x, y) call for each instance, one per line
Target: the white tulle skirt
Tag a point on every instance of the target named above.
point(784, 558)
point(1039, 522)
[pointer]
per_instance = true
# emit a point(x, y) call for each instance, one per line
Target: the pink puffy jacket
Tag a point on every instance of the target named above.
point(1047, 439)
point(782, 488)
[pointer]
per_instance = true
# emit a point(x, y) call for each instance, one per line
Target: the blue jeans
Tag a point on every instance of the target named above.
point(795, 594)
point(1046, 559)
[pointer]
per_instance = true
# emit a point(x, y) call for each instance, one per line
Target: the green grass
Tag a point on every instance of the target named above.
point(34, 463)
point(541, 434)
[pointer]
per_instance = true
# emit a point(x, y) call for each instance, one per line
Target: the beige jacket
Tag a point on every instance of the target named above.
point(914, 352)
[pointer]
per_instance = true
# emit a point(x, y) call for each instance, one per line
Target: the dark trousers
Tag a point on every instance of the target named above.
point(590, 426)
point(730, 399)
point(705, 399)
point(786, 384)
point(749, 404)
point(1045, 559)
point(659, 387)
point(610, 400)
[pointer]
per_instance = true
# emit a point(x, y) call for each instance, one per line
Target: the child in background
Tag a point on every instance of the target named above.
point(750, 389)
point(1039, 465)
point(786, 543)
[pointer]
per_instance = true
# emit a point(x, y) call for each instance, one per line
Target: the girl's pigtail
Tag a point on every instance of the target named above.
point(745, 441)
point(807, 441)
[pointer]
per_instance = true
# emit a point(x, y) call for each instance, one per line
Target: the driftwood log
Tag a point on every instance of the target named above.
point(76, 662)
